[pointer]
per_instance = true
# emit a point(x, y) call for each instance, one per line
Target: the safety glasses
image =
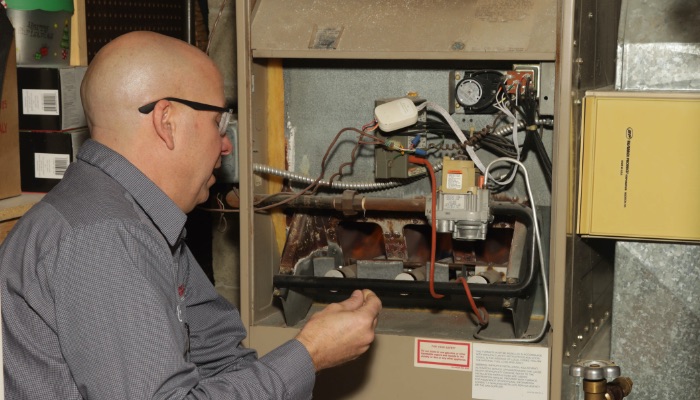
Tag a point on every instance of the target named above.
point(226, 113)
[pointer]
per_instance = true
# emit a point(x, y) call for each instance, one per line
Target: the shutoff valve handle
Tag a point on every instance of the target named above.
point(595, 370)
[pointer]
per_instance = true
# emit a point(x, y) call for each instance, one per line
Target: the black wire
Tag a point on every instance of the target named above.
point(533, 140)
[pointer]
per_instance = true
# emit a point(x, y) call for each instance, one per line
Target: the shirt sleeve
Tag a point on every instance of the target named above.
point(116, 317)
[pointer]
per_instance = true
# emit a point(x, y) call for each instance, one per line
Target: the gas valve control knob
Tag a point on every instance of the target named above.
point(595, 370)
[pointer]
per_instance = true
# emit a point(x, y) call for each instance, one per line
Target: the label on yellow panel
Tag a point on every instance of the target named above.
point(625, 164)
point(503, 372)
point(442, 354)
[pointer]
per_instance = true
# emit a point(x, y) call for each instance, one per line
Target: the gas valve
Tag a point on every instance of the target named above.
point(462, 206)
point(595, 374)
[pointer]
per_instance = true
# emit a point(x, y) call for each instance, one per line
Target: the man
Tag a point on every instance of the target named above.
point(101, 298)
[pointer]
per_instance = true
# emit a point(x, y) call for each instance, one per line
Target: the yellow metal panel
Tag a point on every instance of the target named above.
point(640, 175)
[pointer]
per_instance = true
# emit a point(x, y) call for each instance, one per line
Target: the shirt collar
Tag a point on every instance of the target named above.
point(164, 213)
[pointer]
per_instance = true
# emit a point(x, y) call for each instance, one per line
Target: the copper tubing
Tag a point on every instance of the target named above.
point(345, 202)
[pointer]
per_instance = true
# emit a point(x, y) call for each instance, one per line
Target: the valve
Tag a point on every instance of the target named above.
point(595, 374)
point(595, 370)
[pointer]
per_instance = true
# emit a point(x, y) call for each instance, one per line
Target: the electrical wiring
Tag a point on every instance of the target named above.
point(484, 139)
point(216, 22)
point(433, 221)
point(533, 139)
point(521, 125)
point(480, 312)
point(457, 131)
point(353, 156)
point(536, 248)
point(335, 185)
point(501, 105)
point(312, 187)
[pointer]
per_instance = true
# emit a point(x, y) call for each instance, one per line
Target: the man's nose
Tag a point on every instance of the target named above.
point(226, 146)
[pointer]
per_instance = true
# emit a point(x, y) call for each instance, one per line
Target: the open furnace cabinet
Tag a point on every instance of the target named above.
point(307, 69)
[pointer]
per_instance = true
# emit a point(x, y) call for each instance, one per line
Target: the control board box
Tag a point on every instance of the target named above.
point(639, 170)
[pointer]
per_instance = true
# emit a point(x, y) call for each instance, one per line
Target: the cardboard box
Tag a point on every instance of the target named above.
point(49, 98)
point(45, 156)
point(9, 133)
point(639, 172)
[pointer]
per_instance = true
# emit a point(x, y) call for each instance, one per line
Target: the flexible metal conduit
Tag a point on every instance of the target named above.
point(521, 125)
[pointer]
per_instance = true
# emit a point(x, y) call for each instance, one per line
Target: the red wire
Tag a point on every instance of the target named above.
point(477, 311)
point(481, 313)
point(433, 221)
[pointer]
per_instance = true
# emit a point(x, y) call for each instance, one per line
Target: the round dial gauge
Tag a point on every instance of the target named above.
point(469, 92)
point(476, 93)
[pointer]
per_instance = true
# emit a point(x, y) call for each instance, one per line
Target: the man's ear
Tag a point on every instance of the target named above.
point(163, 121)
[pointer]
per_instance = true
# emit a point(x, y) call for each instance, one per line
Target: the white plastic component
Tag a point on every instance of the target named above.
point(417, 274)
point(478, 279)
point(396, 114)
point(405, 276)
point(342, 272)
point(334, 273)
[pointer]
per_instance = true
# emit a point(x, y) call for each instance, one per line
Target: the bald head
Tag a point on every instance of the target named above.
point(138, 68)
point(173, 144)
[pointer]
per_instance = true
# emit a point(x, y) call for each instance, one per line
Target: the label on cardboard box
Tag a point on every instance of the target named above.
point(50, 166)
point(49, 98)
point(40, 102)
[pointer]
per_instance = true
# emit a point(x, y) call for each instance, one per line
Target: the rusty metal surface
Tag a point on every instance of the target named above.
point(414, 29)
point(404, 237)
point(307, 233)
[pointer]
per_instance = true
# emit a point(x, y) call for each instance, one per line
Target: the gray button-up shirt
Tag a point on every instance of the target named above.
point(99, 292)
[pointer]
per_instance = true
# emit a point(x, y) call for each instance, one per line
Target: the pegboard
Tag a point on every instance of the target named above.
point(107, 19)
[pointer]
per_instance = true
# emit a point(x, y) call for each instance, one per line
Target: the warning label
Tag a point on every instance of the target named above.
point(454, 180)
point(442, 354)
point(508, 372)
